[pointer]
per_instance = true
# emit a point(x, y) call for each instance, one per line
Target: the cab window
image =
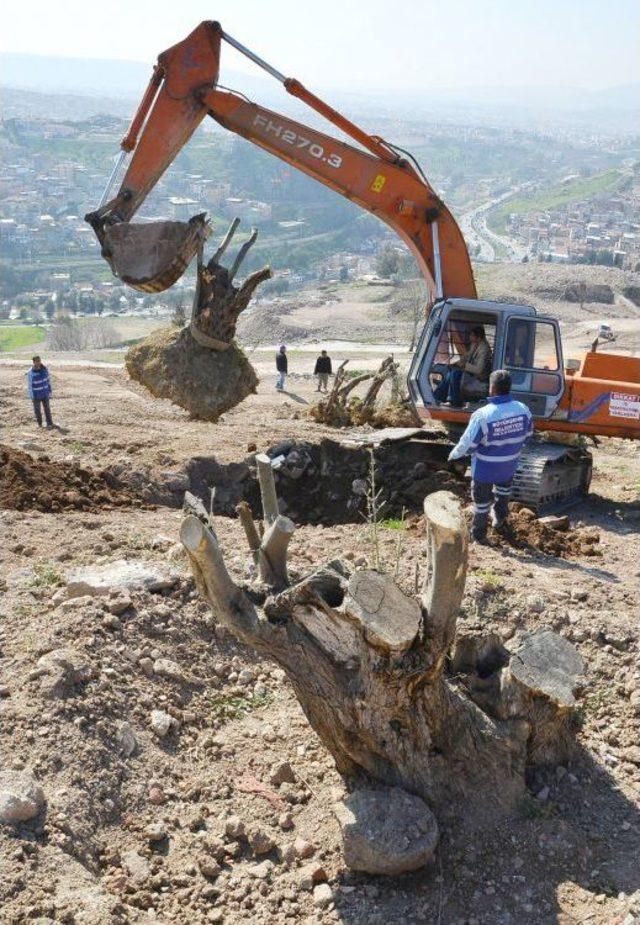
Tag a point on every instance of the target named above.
point(531, 355)
point(531, 345)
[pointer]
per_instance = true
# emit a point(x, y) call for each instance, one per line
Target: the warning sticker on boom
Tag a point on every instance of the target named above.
point(623, 405)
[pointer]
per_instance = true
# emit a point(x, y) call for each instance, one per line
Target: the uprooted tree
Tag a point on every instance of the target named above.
point(342, 407)
point(201, 367)
point(394, 694)
point(218, 302)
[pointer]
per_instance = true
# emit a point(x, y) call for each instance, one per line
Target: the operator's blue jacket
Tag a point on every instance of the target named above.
point(494, 438)
point(38, 383)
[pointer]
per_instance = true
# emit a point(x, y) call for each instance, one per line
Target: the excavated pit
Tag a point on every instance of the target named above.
point(323, 483)
point(327, 483)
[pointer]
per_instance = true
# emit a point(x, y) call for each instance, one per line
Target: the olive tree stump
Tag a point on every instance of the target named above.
point(218, 302)
point(370, 667)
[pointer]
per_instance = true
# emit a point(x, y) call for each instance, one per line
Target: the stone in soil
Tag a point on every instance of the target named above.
point(386, 831)
point(161, 723)
point(61, 670)
point(21, 797)
point(126, 575)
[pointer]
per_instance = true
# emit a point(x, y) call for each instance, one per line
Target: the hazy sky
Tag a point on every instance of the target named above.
point(361, 44)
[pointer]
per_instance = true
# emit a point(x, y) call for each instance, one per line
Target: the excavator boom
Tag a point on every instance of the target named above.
point(183, 90)
point(379, 177)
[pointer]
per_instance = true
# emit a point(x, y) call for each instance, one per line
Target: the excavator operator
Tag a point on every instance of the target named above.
point(468, 375)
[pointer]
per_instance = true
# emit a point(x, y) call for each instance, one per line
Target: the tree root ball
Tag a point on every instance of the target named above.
point(206, 383)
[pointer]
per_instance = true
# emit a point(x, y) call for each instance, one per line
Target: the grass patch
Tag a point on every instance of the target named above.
point(594, 703)
point(555, 197)
point(393, 523)
point(77, 448)
point(12, 337)
point(489, 578)
point(536, 809)
point(45, 575)
point(226, 707)
point(138, 541)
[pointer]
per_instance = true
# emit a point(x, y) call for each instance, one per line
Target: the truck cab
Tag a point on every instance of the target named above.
point(521, 340)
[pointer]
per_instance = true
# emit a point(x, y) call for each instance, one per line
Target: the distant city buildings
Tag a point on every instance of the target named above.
point(51, 173)
point(603, 230)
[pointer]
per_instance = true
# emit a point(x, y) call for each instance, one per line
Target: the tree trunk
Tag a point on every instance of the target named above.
point(218, 303)
point(369, 667)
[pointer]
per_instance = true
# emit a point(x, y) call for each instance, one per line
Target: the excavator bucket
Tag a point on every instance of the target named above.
point(151, 257)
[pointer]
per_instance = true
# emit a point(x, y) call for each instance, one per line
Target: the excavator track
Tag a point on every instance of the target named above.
point(552, 477)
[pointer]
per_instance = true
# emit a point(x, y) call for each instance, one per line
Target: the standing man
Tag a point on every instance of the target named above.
point(323, 371)
point(494, 439)
point(282, 365)
point(39, 386)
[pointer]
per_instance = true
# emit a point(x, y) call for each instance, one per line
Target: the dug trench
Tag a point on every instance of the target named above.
point(325, 483)
point(317, 483)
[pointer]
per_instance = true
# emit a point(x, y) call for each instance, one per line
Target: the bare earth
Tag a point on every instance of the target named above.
point(569, 856)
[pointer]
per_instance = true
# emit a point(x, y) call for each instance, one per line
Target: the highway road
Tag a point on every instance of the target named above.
point(475, 230)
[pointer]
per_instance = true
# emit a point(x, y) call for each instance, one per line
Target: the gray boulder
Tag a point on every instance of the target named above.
point(386, 831)
point(124, 575)
point(21, 797)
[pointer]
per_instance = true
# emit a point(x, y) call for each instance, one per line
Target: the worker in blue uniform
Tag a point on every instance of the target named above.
point(494, 438)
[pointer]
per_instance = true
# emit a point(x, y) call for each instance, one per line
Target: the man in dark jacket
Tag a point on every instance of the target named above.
point(323, 371)
point(39, 386)
point(282, 365)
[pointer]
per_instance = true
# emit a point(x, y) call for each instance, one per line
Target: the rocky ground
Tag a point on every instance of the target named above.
point(173, 775)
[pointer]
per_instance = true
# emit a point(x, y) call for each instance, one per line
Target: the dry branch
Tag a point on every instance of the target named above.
point(267, 488)
point(339, 409)
point(253, 538)
point(273, 552)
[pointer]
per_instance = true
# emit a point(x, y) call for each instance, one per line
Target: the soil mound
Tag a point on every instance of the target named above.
point(596, 292)
point(29, 484)
point(171, 364)
point(525, 531)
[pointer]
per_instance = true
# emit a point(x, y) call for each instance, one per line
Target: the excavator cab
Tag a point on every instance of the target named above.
point(550, 477)
point(520, 340)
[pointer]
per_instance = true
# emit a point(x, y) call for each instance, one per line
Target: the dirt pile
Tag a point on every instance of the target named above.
point(552, 536)
point(170, 364)
point(30, 484)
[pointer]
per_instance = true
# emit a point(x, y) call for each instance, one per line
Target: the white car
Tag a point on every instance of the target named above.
point(605, 332)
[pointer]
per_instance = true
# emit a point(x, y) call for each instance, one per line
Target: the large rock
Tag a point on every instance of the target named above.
point(61, 670)
point(124, 574)
point(21, 797)
point(386, 831)
point(547, 665)
point(205, 382)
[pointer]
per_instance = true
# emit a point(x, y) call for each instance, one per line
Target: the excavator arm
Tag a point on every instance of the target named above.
point(183, 90)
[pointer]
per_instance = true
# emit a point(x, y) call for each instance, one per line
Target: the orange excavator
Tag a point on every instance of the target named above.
point(596, 396)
